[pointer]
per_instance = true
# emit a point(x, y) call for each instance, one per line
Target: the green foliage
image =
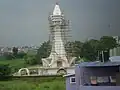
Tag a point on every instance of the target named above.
point(21, 55)
point(14, 64)
point(73, 49)
point(88, 51)
point(11, 56)
point(43, 51)
point(91, 48)
point(94, 43)
point(8, 56)
point(15, 51)
point(5, 70)
point(30, 59)
point(32, 85)
point(2, 57)
point(107, 43)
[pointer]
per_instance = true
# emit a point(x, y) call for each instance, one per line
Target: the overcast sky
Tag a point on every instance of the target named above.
point(25, 22)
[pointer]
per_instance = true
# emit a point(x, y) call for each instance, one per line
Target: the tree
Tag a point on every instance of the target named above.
point(43, 51)
point(95, 46)
point(31, 60)
point(77, 47)
point(5, 70)
point(94, 43)
point(15, 51)
point(8, 56)
point(21, 55)
point(88, 51)
point(106, 43)
point(73, 49)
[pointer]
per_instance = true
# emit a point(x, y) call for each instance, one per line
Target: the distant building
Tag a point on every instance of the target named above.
point(6, 50)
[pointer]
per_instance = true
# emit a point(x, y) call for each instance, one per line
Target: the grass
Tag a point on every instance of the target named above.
point(18, 63)
point(32, 85)
point(29, 84)
point(14, 64)
point(2, 58)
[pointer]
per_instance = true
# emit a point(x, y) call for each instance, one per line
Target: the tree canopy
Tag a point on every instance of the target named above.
point(5, 70)
point(43, 51)
point(107, 43)
point(88, 50)
point(15, 51)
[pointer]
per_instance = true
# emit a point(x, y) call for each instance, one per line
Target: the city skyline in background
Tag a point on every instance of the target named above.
point(25, 22)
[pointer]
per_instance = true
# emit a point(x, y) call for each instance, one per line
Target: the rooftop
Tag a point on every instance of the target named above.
point(99, 64)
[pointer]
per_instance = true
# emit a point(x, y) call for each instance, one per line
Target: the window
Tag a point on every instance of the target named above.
point(72, 80)
point(93, 80)
point(103, 79)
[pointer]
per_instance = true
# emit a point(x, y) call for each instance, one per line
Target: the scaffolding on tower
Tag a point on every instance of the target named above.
point(65, 34)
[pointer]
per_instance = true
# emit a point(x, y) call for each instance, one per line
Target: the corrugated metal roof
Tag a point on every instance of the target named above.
point(99, 64)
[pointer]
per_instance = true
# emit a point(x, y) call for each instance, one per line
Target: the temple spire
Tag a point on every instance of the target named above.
point(57, 10)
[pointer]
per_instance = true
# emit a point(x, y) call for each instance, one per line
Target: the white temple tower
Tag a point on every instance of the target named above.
point(58, 62)
point(58, 27)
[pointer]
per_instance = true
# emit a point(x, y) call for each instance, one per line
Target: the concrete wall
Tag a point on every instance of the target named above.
point(78, 77)
point(47, 71)
point(52, 71)
point(71, 70)
point(54, 65)
point(70, 86)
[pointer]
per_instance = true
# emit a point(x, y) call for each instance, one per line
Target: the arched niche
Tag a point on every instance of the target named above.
point(61, 71)
point(24, 69)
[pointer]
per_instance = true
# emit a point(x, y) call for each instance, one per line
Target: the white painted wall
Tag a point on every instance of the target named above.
point(71, 70)
point(52, 71)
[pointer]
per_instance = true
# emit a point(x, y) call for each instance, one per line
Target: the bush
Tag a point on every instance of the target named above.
point(5, 71)
point(31, 60)
point(21, 55)
point(8, 56)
